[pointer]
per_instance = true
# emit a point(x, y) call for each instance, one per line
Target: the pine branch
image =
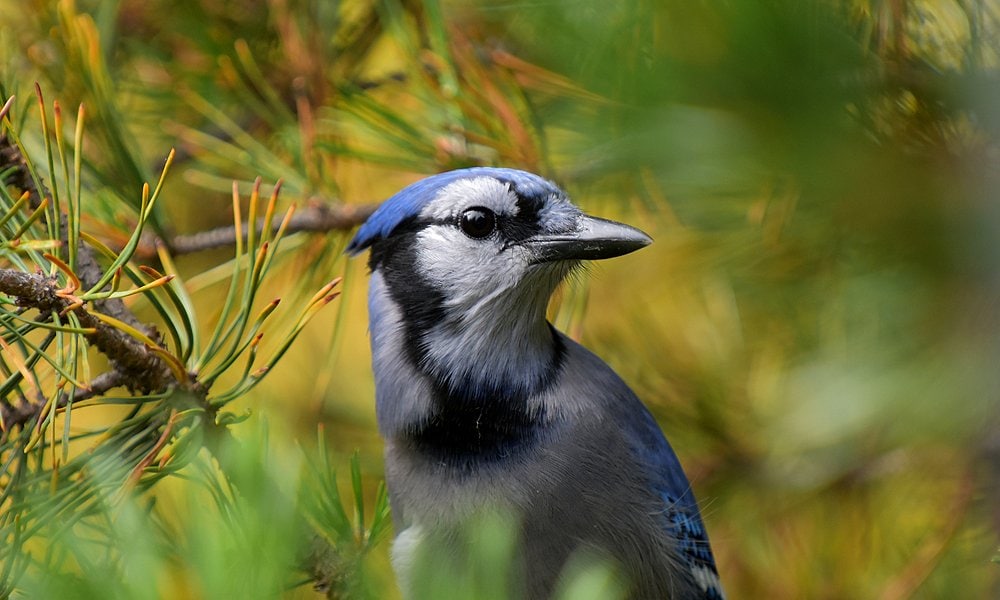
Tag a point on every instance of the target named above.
point(88, 270)
point(317, 217)
point(135, 365)
point(23, 413)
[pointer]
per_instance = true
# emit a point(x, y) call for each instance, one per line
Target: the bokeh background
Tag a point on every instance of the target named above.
point(817, 327)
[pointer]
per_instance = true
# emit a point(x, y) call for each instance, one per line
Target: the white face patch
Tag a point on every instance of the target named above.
point(494, 320)
point(467, 269)
point(465, 193)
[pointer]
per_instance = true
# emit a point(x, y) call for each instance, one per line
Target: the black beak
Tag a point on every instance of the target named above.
point(594, 239)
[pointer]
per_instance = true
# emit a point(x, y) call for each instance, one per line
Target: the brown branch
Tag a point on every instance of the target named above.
point(140, 369)
point(134, 365)
point(88, 270)
point(20, 175)
point(317, 217)
point(24, 412)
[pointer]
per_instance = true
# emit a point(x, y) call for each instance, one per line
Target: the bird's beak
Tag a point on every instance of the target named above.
point(594, 239)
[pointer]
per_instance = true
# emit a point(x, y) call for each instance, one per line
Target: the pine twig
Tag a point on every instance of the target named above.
point(24, 412)
point(88, 270)
point(317, 217)
point(134, 364)
point(139, 368)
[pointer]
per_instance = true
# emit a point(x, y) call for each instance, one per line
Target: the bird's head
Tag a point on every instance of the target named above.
point(469, 258)
point(472, 232)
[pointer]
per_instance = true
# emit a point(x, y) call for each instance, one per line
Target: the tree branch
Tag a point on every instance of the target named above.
point(138, 367)
point(134, 365)
point(317, 217)
point(88, 270)
point(26, 411)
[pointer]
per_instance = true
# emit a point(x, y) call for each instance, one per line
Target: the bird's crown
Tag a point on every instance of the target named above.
point(411, 200)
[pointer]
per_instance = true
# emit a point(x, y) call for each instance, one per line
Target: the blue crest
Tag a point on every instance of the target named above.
point(409, 201)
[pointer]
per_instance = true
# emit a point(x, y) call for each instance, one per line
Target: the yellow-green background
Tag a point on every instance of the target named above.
point(816, 326)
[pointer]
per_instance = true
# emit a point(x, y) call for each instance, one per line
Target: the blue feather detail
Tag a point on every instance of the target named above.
point(681, 519)
point(687, 530)
point(689, 533)
point(409, 201)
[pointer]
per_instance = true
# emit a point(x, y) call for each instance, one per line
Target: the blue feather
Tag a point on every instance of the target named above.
point(681, 518)
point(409, 201)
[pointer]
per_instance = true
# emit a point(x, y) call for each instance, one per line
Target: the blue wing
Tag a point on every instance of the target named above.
point(682, 521)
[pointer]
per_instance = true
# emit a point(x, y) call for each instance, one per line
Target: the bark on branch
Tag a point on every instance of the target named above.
point(133, 364)
point(19, 414)
point(317, 217)
point(138, 367)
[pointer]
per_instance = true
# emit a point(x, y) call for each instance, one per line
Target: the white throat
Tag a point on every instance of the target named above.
point(494, 341)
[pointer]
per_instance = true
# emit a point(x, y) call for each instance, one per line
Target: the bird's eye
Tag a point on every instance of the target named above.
point(477, 222)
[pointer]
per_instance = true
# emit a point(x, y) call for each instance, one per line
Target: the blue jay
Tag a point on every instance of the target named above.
point(482, 403)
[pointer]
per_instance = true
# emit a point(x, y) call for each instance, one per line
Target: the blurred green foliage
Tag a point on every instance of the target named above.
point(816, 326)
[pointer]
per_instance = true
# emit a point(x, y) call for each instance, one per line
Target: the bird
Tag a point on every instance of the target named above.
point(482, 402)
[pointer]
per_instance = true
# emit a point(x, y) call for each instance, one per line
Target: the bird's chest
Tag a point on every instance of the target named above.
point(551, 500)
point(437, 505)
point(440, 494)
point(553, 480)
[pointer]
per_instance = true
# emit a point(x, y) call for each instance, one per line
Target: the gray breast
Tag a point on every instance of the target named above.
point(583, 461)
